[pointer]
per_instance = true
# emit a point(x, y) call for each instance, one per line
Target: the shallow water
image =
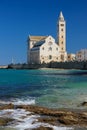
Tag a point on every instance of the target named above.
point(45, 87)
point(51, 87)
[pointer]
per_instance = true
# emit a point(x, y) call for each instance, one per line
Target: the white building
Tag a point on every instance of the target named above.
point(71, 57)
point(81, 55)
point(45, 49)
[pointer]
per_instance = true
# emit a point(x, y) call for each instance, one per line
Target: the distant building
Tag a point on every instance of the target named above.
point(44, 49)
point(81, 55)
point(71, 57)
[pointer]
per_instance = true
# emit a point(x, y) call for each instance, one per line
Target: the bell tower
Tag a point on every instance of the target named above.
point(61, 36)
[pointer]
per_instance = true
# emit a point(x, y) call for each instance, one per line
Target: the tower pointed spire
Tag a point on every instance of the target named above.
point(61, 17)
point(61, 35)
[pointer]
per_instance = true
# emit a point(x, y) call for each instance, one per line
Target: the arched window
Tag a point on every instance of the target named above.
point(62, 57)
point(43, 48)
point(50, 57)
point(50, 49)
point(57, 49)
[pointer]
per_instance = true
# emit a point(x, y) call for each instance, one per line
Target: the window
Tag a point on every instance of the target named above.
point(62, 36)
point(62, 24)
point(50, 48)
point(62, 48)
point(57, 49)
point(50, 57)
point(62, 29)
point(62, 42)
point(43, 48)
point(62, 57)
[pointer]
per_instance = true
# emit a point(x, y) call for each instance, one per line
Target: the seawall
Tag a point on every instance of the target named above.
point(59, 65)
point(69, 65)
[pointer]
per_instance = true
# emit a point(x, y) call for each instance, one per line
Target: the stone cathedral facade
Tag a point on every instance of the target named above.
point(44, 49)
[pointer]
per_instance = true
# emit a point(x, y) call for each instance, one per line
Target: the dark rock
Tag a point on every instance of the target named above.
point(49, 120)
point(84, 104)
point(68, 120)
point(5, 121)
point(63, 117)
point(43, 128)
point(8, 106)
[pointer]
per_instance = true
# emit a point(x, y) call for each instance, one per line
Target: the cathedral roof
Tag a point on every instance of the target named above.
point(40, 43)
point(37, 38)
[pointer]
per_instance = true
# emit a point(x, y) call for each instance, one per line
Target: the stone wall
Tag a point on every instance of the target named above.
point(69, 65)
point(59, 65)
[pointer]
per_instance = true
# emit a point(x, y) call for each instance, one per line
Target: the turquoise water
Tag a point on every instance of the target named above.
point(46, 87)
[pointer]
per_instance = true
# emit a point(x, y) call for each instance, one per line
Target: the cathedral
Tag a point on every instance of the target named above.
point(44, 49)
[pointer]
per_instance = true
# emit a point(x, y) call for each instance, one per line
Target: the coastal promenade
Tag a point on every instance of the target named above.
point(59, 65)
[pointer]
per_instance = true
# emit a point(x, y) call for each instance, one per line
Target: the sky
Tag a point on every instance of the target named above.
point(20, 18)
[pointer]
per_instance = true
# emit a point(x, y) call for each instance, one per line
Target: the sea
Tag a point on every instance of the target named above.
point(52, 88)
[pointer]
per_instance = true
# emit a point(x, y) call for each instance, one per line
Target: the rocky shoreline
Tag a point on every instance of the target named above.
point(55, 117)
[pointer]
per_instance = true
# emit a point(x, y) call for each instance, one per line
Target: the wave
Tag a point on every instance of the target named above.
point(17, 101)
point(25, 120)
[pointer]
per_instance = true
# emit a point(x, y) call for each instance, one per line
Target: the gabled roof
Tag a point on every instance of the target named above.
point(40, 43)
point(37, 38)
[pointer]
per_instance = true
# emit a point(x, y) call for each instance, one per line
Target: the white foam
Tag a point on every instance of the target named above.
point(19, 101)
point(61, 128)
point(24, 120)
point(23, 101)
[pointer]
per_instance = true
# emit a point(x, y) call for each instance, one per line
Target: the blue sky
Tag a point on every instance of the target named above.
point(20, 18)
